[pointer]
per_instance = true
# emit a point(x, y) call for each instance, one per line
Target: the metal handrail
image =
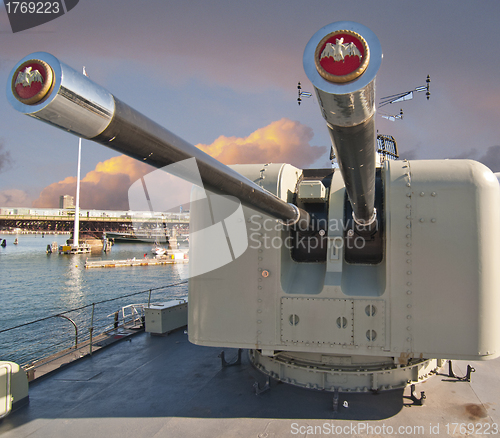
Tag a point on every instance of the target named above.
point(29, 347)
point(90, 305)
point(74, 325)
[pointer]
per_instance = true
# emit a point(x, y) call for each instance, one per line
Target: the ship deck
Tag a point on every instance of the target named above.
point(164, 386)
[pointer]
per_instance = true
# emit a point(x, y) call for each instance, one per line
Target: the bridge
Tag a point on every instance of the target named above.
point(88, 224)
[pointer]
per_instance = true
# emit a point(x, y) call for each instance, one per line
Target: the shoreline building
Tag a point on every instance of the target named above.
point(66, 202)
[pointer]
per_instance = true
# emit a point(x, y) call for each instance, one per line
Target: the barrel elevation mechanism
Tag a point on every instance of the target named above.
point(361, 278)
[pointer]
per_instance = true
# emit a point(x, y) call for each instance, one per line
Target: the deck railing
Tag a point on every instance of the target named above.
point(83, 327)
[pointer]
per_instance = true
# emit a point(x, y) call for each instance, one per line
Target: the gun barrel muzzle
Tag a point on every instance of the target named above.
point(44, 88)
point(341, 60)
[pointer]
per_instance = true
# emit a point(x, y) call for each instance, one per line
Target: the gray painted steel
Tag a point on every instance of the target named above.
point(157, 386)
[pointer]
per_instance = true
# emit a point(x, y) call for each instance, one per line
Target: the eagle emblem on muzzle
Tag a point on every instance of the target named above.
point(28, 76)
point(339, 50)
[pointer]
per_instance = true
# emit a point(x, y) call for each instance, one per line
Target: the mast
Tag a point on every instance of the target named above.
point(76, 231)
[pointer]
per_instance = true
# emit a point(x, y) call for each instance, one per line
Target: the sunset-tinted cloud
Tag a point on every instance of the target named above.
point(106, 187)
point(283, 141)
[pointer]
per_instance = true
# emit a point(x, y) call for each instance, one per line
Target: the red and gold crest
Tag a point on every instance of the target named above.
point(32, 81)
point(342, 56)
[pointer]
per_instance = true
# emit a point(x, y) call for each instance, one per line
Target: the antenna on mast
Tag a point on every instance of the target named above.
point(406, 95)
point(302, 94)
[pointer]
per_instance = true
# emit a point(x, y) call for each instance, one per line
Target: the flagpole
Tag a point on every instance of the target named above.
point(76, 232)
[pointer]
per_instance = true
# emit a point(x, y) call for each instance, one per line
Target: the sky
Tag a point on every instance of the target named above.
point(222, 74)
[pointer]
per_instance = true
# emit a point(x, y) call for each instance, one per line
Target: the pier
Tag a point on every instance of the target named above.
point(89, 264)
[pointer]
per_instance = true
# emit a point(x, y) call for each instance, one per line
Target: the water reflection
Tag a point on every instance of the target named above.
point(74, 296)
point(35, 284)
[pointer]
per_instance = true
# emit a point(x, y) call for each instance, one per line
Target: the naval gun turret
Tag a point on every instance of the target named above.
point(363, 278)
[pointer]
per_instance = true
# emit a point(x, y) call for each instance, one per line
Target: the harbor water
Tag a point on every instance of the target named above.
point(36, 286)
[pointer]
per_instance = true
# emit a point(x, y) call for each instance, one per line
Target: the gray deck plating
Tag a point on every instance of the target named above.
point(152, 386)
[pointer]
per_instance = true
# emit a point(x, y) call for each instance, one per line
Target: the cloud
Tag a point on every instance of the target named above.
point(490, 157)
point(411, 154)
point(283, 141)
point(14, 198)
point(106, 187)
point(5, 158)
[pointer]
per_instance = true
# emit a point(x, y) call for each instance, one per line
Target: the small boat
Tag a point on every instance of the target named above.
point(16, 241)
point(82, 248)
point(4, 243)
point(107, 243)
point(53, 248)
point(158, 250)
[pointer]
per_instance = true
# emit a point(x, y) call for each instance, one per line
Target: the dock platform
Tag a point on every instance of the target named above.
point(89, 264)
